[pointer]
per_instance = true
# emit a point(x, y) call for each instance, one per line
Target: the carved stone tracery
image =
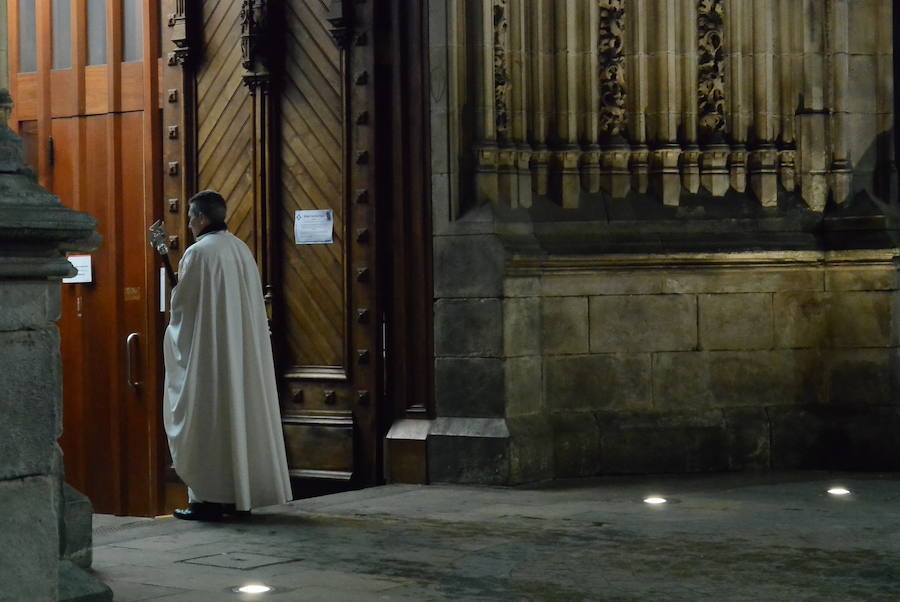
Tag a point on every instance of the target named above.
point(711, 74)
point(501, 70)
point(660, 97)
point(612, 67)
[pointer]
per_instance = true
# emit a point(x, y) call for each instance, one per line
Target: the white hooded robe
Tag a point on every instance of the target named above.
point(221, 403)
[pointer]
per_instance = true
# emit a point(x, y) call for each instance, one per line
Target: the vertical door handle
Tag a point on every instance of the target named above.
point(131, 351)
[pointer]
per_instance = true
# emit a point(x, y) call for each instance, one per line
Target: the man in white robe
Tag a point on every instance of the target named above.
point(221, 403)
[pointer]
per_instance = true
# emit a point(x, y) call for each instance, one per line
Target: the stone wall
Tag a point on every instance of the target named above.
point(665, 236)
point(741, 361)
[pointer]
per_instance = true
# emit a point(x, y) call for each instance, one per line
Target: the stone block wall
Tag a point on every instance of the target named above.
point(728, 362)
point(30, 426)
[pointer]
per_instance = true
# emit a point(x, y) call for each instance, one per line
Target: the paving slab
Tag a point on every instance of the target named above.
point(771, 536)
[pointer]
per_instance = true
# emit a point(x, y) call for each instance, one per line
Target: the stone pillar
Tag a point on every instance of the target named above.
point(36, 563)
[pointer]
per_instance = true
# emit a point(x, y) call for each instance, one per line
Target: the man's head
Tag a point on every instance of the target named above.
point(206, 208)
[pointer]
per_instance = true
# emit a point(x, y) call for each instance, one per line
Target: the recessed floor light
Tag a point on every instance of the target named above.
point(253, 588)
point(839, 491)
point(654, 500)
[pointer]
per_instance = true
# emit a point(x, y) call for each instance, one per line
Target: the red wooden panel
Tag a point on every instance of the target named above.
point(25, 97)
point(132, 86)
point(96, 84)
point(138, 291)
point(102, 358)
point(71, 326)
point(62, 101)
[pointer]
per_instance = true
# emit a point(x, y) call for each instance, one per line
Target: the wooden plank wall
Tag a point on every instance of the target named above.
point(311, 152)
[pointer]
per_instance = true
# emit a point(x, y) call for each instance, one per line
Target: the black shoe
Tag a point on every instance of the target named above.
point(202, 511)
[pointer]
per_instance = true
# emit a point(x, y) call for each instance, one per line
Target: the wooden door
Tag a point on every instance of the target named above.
point(277, 116)
point(84, 82)
point(282, 107)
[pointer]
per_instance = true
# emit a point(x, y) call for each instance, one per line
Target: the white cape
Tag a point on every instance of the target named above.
point(221, 403)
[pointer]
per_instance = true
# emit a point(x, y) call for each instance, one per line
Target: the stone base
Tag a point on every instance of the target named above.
point(714, 362)
point(77, 530)
point(468, 450)
point(77, 585)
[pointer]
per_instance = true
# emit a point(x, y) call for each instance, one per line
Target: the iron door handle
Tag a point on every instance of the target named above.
point(130, 353)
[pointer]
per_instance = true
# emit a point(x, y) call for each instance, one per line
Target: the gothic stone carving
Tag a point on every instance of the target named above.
point(711, 79)
point(501, 72)
point(612, 67)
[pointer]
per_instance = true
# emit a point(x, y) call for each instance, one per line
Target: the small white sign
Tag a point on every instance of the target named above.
point(82, 263)
point(314, 227)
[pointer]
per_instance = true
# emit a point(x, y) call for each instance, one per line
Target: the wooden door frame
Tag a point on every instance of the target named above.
point(407, 216)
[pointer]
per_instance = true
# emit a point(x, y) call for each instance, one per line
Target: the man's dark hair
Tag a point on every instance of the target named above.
point(211, 204)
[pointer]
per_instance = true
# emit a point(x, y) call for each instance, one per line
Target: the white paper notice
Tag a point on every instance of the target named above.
point(314, 227)
point(82, 263)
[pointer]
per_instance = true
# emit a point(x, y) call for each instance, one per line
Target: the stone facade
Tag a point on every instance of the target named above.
point(716, 362)
point(665, 237)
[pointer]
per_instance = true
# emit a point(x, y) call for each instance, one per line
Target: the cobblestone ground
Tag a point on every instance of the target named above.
point(734, 537)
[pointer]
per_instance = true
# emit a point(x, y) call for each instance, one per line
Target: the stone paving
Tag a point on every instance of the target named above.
point(724, 537)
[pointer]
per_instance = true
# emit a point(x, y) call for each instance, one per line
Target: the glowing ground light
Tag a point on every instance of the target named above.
point(654, 500)
point(839, 491)
point(253, 589)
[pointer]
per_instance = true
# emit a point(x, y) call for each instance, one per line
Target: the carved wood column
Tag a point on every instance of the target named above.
point(258, 38)
point(178, 118)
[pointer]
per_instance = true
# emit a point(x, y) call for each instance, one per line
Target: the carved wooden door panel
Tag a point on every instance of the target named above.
point(83, 77)
point(275, 109)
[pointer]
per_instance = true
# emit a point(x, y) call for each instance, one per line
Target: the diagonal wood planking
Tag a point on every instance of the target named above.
point(313, 276)
point(224, 143)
